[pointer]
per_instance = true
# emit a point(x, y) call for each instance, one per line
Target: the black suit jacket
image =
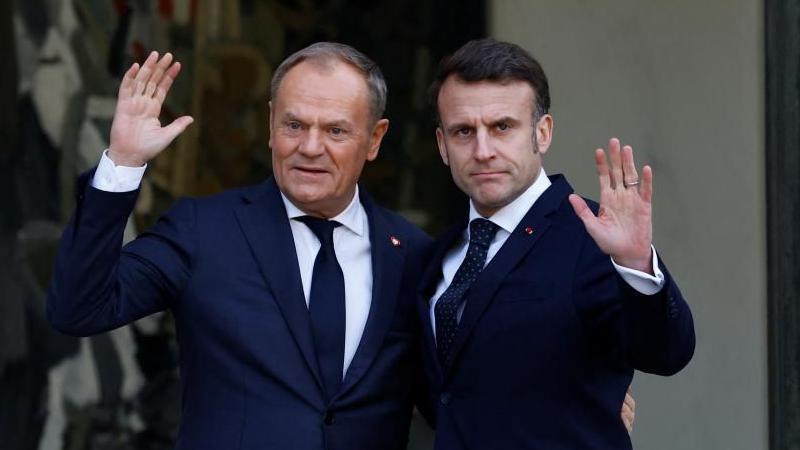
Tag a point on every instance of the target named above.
point(549, 338)
point(227, 268)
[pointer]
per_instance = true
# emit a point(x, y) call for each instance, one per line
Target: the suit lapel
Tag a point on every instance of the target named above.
point(530, 229)
point(265, 224)
point(387, 271)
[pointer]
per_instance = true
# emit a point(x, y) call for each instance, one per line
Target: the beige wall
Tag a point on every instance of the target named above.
point(681, 81)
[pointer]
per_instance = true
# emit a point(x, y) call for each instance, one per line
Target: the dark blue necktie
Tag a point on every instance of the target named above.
point(326, 305)
point(481, 233)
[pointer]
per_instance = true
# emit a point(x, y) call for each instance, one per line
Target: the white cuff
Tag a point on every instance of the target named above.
point(110, 177)
point(643, 282)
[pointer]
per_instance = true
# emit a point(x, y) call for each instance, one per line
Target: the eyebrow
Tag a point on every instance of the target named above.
point(288, 115)
point(342, 123)
point(509, 119)
point(459, 125)
point(338, 123)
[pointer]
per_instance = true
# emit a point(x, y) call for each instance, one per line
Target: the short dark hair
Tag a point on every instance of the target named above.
point(491, 60)
point(324, 52)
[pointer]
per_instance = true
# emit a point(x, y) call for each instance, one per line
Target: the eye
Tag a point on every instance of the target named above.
point(463, 132)
point(336, 131)
point(293, 125)
point(503, 126)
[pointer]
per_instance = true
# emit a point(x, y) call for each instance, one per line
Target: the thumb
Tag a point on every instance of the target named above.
point(583, 212)
point(177, 127)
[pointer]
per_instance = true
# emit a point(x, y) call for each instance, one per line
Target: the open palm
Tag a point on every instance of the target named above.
point(136, 133)
point(623, 227)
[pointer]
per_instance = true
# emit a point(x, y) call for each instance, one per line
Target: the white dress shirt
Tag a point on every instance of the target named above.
point(350, 242)
point(507, 218)
point(352, 247)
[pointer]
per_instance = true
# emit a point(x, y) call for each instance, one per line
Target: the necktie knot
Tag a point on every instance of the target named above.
point(481, 232)
point(322, 228)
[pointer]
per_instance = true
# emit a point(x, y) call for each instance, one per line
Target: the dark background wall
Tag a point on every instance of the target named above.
point(62, 63)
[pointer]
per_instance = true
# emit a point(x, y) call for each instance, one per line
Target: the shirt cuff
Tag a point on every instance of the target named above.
point(110, 177)
point(642, 282)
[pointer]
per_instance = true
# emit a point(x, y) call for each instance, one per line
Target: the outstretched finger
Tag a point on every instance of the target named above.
point(647, 184)
point(126, 87)
point(616, 162)
point(140, 83)
point(630, 176)
point(602, 169)
point(166, 82)
point(158, 73)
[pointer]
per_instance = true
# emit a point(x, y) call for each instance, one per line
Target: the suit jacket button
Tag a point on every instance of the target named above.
point(329, 419)
point(445, 398)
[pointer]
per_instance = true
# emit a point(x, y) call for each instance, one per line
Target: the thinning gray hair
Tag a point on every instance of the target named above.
point(326, 51)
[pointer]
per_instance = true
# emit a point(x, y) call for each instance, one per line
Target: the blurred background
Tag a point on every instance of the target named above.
point(705, 92)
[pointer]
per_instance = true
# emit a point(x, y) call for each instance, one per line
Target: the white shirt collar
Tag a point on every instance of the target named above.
point(509, 216)
point(352, 217)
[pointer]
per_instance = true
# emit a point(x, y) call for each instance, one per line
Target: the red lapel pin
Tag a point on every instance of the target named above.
point(528, 231)
point(395, 241)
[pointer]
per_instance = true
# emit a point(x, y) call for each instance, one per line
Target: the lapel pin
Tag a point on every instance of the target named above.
point(395, 241)
point(528, 231)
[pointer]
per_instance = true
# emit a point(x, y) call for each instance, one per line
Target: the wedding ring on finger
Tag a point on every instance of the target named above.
point(628, 184)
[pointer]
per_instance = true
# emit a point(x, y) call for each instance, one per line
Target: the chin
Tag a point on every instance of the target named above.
point(493, 199)
point(494, 203)
point(304, 195)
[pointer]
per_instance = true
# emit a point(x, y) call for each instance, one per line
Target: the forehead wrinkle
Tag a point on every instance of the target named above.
point(484, 100)
point(316, 84)
point(310, 105)
point(488, 114)
point(325, 97)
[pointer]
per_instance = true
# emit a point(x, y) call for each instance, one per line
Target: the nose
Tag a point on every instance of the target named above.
point(484, 150)
point(312, 144)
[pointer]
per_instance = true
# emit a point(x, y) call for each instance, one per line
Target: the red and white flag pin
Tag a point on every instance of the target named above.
point(395, 242)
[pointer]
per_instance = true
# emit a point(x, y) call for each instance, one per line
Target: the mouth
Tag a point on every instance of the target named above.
point(487, 174)
point(310, 170)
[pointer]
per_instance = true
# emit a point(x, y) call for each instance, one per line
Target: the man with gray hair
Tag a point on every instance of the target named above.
point(293, 299)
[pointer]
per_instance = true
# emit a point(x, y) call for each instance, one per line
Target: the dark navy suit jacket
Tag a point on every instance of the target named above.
point(548, 340)
point(226, 267)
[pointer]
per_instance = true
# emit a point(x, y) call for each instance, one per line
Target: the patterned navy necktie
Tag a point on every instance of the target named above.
point(326, 305)
point(481, 233)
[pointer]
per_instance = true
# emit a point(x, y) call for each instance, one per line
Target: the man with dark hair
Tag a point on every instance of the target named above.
point(293, 299)
point(536, 311)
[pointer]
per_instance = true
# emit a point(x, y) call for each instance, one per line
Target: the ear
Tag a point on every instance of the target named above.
point(442, 146)
point(378, 132)
point(271, 125)
point(544, 132)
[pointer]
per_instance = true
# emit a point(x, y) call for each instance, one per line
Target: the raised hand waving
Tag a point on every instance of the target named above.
point(136, 133)
point(623, 227)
